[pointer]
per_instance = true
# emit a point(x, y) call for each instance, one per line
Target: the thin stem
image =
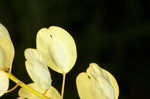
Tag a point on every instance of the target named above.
point(12, 89)
point(23, 85)
point(63, 85)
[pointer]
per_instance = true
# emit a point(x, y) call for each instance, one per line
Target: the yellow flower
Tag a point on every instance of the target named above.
point(97, 83)
point(38, 71)
point(6, 58)
point(55, 48)
point(58, 47)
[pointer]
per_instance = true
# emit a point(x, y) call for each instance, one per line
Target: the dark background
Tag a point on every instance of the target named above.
point(113, 33)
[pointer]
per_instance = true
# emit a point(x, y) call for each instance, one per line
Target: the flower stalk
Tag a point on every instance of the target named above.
point(63, 85)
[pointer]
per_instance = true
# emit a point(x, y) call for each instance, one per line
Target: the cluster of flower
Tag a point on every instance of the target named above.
point(55, 49)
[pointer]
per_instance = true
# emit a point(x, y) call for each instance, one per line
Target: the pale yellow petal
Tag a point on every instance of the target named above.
point(87, 88)
point(4, 83)
point(23, 93)
point(104, 81)
point(113, 82)
point(6, 54)
point(84, 86)
point(52, 93)
point(102, 85)
point(37, 68)
point(6, 49)
point(58, 47)
point(101, 81)
point(4, 33)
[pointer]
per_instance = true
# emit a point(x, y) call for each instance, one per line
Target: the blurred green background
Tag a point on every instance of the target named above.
point(114, 34)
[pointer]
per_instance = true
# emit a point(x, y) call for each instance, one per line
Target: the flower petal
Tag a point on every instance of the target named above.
point(4, 33)
point(6, 49)
point(84, 86)
point(113, 82)
point(101, 84)
point(58, 47)
point(52, 92)
point(37, 69)
point(105, 81)
point(23, 93)
point(6, 54)
point(4, 83)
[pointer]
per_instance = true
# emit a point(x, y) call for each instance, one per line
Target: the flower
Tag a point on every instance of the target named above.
point(6, 58)
point(54, 48)
point(58, 48)
point(97, 83)
point(38, 71)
